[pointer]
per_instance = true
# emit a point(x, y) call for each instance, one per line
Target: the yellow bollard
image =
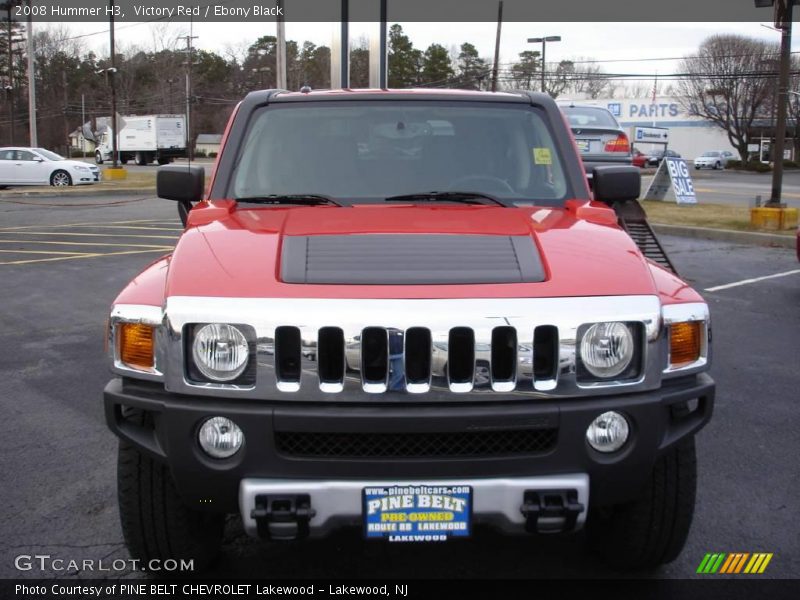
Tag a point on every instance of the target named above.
point(773, 219)
point(110, 173)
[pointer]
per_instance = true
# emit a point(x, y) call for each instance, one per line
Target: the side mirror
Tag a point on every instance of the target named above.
point(616, 184)
point(182, 184)
point(38, 159)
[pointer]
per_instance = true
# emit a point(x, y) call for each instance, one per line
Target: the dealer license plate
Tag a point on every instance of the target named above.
point(417, 513)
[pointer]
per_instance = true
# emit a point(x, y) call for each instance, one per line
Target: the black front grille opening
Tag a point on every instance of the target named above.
point(287, 353)
point(418, 355)
point(461, 355)
point(520, 442)
point(330, 354)
point(374, 354)
point(545, 352)
point(504, 353)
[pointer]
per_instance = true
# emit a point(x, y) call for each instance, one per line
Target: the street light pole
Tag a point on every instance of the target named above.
point(544, 40)
point(112, 72)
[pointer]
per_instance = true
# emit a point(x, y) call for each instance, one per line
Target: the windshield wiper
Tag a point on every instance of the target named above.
point(465, 197)
point(306, 199)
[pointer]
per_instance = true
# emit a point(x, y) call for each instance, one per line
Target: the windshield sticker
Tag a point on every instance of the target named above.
point(541, 156)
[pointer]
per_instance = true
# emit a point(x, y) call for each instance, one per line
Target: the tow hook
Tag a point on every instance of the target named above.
point(551, 511)
point(283, 517)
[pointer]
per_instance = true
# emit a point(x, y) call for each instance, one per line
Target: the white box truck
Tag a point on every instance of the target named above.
point(144, 139)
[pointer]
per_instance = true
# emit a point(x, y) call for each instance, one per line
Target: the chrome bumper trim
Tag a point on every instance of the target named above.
point(495, 502)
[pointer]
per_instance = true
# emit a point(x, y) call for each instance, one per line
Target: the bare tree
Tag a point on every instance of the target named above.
point(726, 83)
point(590, 78)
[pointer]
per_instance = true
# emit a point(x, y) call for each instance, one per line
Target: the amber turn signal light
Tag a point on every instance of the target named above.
point(136, 343)
point(684, 343)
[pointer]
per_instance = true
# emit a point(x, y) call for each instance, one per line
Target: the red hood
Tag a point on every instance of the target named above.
point(235, 252)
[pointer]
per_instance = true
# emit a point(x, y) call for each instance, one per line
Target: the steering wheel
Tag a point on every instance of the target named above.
point(496, 184)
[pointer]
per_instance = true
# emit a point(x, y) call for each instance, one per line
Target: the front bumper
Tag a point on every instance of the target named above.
point(658, 420)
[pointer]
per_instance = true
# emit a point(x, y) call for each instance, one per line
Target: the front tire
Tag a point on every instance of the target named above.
point(156, 524)
point(652, 530)
point(98, 158)
point(60, 179)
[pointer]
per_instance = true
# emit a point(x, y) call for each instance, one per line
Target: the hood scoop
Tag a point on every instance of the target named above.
point(410, 259)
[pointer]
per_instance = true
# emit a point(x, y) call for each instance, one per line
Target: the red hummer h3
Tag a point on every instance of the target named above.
point(405, 311)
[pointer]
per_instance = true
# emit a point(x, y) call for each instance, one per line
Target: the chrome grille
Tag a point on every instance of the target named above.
point(352, 350)
point(390, 359)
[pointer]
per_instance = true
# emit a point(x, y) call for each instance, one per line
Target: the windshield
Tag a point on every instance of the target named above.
point(370, 151)
point(710, 154)
point(49, 155)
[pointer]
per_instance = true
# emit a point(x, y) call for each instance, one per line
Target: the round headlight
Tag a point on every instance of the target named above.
point(220, 351)
point(607, 349)
point(608, 432)
point(219, 437)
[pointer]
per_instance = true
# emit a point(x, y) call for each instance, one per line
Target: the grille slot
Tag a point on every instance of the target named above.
point(545, 357)
point(330, 358)
point(374, 359)
point(504, 357)
point(520, 442)
point(461, 359)
point(418, 348)
point(287, 358)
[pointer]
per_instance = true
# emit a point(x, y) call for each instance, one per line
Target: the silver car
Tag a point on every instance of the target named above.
point(598, 136)
point(713, 160)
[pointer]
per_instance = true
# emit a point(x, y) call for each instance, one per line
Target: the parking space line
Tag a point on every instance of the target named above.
point(75, 257)
point(154, 246)
point(44, 252)
point(129, 227)
point(749, 281)
point(20, 227)
point(114, 235)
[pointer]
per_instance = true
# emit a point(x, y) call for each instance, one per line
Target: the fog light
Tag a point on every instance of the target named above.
point(220, 437)
point(608, 432)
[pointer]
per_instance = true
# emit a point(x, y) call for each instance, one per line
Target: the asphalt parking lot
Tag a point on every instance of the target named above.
point(62, 261)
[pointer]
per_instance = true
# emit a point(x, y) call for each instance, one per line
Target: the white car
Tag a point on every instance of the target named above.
point(713, 160)
point(37, 166)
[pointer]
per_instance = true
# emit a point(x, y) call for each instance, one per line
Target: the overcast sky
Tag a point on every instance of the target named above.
point(624, 42)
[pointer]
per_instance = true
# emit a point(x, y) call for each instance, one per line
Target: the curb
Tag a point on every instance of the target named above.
point(80, 194)
point(728, 235)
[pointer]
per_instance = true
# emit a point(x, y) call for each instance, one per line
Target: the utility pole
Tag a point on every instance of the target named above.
point(113, 76)
point(497, 45)
point(280, 50)
point(66, 112)
point(34, 141)
point(784, 13)
point(10, 86)
point(378, 47)
point(170, 82)
point(83, 122)
point(189, 62)
point(340, 50)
